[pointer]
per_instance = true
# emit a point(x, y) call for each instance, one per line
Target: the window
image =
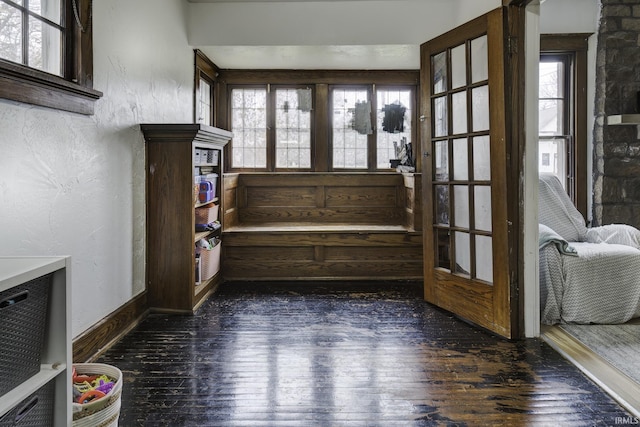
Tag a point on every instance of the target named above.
point(293, 128)
point(357, 144)
point(206, 73)
point(289, 108)
point(545, 159)
point(32, 34)
point(205, 105)
point(393, 124)
point(41, 53)
point(351, 127)
point(563, 111)
point(249, 127)
point(319, 121)
point(554, 113)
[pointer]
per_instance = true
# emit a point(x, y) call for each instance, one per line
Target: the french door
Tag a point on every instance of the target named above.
point(464, 133)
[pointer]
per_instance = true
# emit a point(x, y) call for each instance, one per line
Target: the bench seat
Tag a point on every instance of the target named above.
point(356, 227)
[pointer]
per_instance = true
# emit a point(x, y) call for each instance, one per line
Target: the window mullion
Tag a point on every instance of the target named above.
point(271, 128)
point(25, 33)
point(371, 142)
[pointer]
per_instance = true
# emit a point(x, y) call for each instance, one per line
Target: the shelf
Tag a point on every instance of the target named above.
point(17, 270)
point(199, 204)
point(204, 285)
point(624, 119)
point(172, 162)
point(204, 234)
point(24, 390)
point(55, 358)
point(161, 132)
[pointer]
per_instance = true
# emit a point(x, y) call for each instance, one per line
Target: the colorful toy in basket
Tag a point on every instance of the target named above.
point(97, 391)
point(86, 388)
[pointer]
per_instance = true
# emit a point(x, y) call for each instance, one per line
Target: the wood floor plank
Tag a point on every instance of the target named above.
point(323, 355)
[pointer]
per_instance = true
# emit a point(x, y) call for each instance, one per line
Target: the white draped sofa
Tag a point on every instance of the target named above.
point(587, 275)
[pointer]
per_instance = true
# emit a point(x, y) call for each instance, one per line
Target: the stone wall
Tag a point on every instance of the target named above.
point(616, 169)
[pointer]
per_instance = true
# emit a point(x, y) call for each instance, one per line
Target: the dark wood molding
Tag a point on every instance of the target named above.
point(98, 338)
point(204, 68)
point(83, 45)
point(74, 91)
point(575, 45)
point(162, 132)
point(564, 42)
point(515, 31)
point(390, 77)
point(203, 62)
point(516, 3)
point(321, 151)
point(22, 84)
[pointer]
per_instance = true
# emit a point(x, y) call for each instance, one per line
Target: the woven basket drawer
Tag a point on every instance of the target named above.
point(23, 313)
point(207, 215)
point(35, 411)
point(210, 262)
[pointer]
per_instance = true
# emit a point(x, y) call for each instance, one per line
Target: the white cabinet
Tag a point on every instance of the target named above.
point(56, 356)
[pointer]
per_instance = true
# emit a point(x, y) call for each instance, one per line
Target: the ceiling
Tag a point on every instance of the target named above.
point(323, 34)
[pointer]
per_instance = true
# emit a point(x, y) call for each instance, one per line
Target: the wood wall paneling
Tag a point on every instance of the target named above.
point(331, 226)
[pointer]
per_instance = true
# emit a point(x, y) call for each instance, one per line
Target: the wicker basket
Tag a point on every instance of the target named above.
point(207, 214)
point(103, 412)
point(35, 410)
point(23, 313)
point(210, 262)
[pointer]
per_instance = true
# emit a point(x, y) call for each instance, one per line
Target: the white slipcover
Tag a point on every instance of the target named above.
point(599, 285)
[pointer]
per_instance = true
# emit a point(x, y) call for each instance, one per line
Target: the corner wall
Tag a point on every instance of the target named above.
point(75, 185)
point(616, 167)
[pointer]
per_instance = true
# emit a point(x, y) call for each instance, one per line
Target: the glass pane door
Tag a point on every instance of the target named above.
point(467, 256)
point(461, 161)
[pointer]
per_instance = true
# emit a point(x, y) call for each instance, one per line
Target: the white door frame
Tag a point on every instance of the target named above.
point(531, 280)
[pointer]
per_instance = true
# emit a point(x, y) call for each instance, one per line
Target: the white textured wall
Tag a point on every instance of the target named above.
point(74, 185)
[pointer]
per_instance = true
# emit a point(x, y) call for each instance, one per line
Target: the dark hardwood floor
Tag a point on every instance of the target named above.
point(360, 355)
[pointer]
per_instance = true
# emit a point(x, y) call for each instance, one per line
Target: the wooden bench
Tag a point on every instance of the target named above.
point(321, 226)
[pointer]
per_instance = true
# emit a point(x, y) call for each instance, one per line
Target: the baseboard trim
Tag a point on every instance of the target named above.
point(618, 385)
point(98, 338)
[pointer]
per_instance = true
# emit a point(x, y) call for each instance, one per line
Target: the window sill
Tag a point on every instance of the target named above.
point(23, 84)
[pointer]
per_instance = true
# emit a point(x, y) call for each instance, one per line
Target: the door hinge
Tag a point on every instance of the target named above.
point(512, 45)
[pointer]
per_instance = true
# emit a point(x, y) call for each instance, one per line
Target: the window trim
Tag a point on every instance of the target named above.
point(371, 138)
point(319, 81)
point(414, 124)
point(575, 46)
point(207, 70)
point(74, 92)
point(270, 162)
point(271, 128)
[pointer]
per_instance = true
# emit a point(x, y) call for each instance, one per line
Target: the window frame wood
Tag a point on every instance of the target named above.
point(271, 128)
point(414, 124)
point(207, 70)
point(574, 45)
point(74, 90)
point(370, 137)
point(229, 155)
point(319, 81)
